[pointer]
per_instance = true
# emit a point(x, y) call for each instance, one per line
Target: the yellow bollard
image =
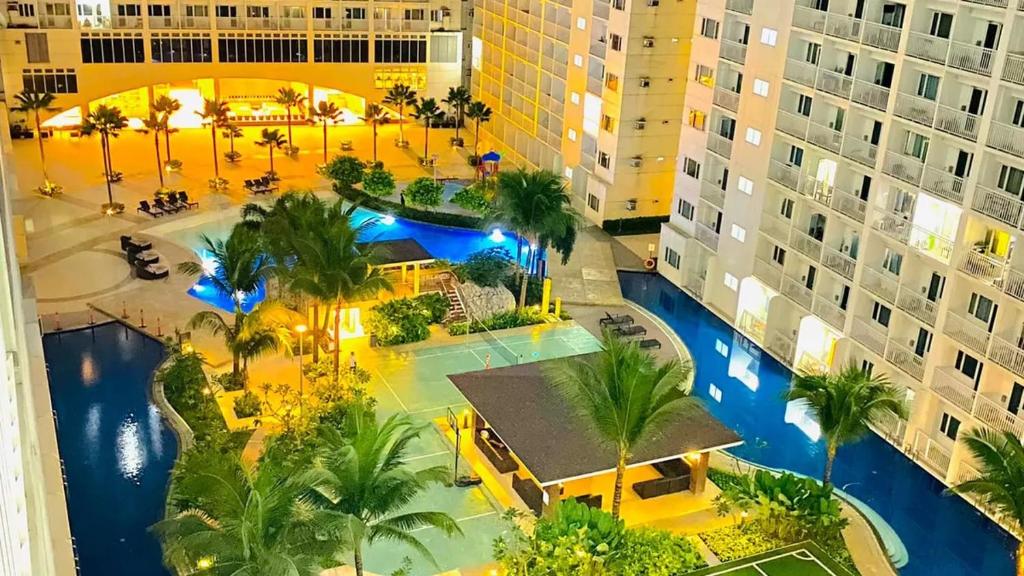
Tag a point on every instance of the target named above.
point(558, 307)
point(545, 300)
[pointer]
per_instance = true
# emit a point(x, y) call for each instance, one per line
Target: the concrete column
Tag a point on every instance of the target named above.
point(554, 497)
point(416, 279)
point(404, 268)
point(699, 473)
point(545, 301)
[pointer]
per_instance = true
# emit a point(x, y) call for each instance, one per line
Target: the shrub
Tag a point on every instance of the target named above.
point(228, 381)
point(489, 268)
point(500, 321)
point(186, 389)
point(792, 508)
point(247, 405)
point(534, 288)
point(379, 182)
point(649, 552)
point(412, 213)
point(424, 192)
point(474, 198)
point(740, 541)
point(436, 306)
point(344, 172)
point(405, 320)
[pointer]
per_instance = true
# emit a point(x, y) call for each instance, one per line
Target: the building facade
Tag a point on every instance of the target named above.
point(590, 89)
point(853, 193)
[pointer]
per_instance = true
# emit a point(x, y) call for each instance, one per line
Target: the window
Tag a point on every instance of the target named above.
point(615, 42)
point(731, 282)
point(355, 13)
point(581, 23)
point(685, 209)
point(917, 146)
point(415, 14)
point(949, 426)
point(672, 257)
point(593, 202)
point(577, 60)
point(881, 313)
point(705, 75)
point(648, 42)
point(604, 160)
point(129, 10)
point(980, 307)
point(892, 261)
point(225, 11)
point(175, 47)
point(928, 86)
point(607, 123)
point(867, 367)
point(400, 49)
point(568, 172)
point(619, 4)
point(341, 49)
point(611, 81)
point(722, 348)
point(769, 36)
point(36, 48)
point(796, 156)
point(159, 10)
point(108, 48)
point(803, 105)
point(753, 136)
point(696, 119)
point(322, 12)
point(709, 28)
point(786, 208)
point(691, 168)
point(574, 97)
point(738, 233)
point(252, 49)
point(26, 10)
point(645, 82)
point(55, 81)
point(745, 185)
point(779, 255)
point(1011, 180)
point(572, 135)
point(942, 25)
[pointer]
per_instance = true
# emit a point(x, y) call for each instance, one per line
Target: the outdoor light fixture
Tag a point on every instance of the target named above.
point(497, 236)
point(533, 246)
point(388, 220)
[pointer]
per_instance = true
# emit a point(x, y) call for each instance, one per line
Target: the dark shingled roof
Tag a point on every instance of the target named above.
point(387, 252)
point(554, 442)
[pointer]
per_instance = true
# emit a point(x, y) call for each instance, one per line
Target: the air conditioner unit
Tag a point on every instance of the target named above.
point(648, 42)
point(640, 123)
point(653, 3)
point(645, 81)
point(636, 161)
point(631, 204)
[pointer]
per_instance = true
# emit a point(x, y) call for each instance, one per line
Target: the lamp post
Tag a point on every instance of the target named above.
point(301, 329)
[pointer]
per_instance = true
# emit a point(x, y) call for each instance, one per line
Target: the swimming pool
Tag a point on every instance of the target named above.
point(117, 448)
point(743, 387)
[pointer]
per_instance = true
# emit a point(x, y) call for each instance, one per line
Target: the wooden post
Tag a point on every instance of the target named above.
point(416, 279)
point(554, 497)
point(404, 269)
point(699, 473)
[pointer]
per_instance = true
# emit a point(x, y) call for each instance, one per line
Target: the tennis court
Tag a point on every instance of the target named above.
point(804, 559)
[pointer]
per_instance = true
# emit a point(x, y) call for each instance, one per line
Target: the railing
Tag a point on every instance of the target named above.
point(195, 22)
point(881, 284)
point(800, 72)
point(1009, 139)
point(775, 227)
point(894, 226)
point(809, 19)
point(935, 456)
point(982, 267)
point(720, 145)
point(1014, 284)
point(881, 36)
point(845, 27)
point(860, 150)
point(817, 190)
point(997, 416)
point(904, 358)
point(954, 386)
point(227, 23)
point(825, 137)
point(906, 168)
point(804, 244)
point(830, 313)
point(966, 331)
point(915, 108)
point(693, 281)
point(834, 83)
point(870, 95)
point(1008, 355)
point(792, 124)
point(957, 122)
point(713, 194)
point(54, 21)
point(917, 306)
point(1013, 69)
point(971, 58)
point(785, 174)
point(733, 51)
point(127, 22)
point(768, 273)
point(783, 346)
point(849, 205)
point(163, 22)
point(868, 336)
point(928, 47)
point(943, 184)
point(797, 292)
point(741, 6)
point(839, 263)
point(728, 99)
point(998, 205)
point(892, 428)
point(707, 236)
point(930, 243)
point(993, 3)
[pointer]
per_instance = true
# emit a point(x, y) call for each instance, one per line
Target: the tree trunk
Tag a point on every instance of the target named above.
point(167, 141)
point(375, 142)
point(337, 338)
point(522, 289)
point(235, 364)
point(357, 555)
point(458, 122)
point(1020, 559)
point(289, 125)
point(325, 141)
point(620, 473)
point(159, 165)
point(271, 148)
point(476, 142)
point(830, 458)
point(426, 140)
point(213, 136)
point(401, 124)
point(104, 144)
point(231, 141)
point(316, 331)
point(42, 153)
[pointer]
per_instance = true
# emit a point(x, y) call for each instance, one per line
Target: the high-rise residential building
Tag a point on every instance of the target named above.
point(850, 189)
point(590, 89)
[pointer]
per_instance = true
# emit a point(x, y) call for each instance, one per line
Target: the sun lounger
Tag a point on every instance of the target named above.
point(617, 320)
point(650, 343)
point(634, 330)
point(147, 257)
point(159, 203)
point(145, 208)
point(184, 199)
point(129, 243)
point(172, 201)
point(152, 271)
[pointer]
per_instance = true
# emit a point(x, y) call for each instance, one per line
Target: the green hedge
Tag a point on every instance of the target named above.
point(406, 320)
point(500, 321)
point(740, 541)
point(638, 225)
point(187, 391)
point(428, 216)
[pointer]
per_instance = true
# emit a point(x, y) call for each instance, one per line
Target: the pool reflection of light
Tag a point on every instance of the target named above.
point(388, 220)
point(155, 426)
point(799, 415)
point(93, 419)
point(207, 262)
point(131, 453)
point(89, 374)
point(497, 236)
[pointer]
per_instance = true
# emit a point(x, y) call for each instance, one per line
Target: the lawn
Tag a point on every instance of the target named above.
point(804, 559)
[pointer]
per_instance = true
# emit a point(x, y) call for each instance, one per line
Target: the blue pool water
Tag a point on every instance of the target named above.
point(943, 534)
point(117, 449)
point(443, 242)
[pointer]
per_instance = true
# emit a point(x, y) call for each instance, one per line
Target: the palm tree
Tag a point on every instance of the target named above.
point(265, 329)
point(290, 98)
point(401, 96)
point(153, 124)
point(271, 139)
point(216, 113)
point(361, 474)
point(375, 115)
point(1000, 485)
point(427, 110)
point(325, 113)
point(241, 521)
point(236, 268)
point(165, 106)
point(107, 121)
point(458, 99)
point(232, 131)
point(538, 207)
point(845, 405)
point(625, 395)
point(332, 267)
point(35, 102)
point(479, 113)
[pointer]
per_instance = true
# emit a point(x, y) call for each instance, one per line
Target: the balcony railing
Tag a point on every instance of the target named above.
point(127, 22)
point(195, 22)
point(805, 244)
point(943, 184)
point(868, 336)
point(720, 145)
point(894, 226)
point(825, 137)
point(733, 51)
point(849, 205)
point(1008, 355)
point(767, 272)
point(997, 416)
point(1009, 139)
point(902, 167)
point(997, 204)
point(933, 454)
point(834, 83)
point(839, 263)
point(917, 306)
point(971, 58)
point(1014, 284)
point(870, 95)
point(830, 313)
point(845, 27)
point(713, 194)
point(800, 72)
point(954, 386)
point(792, 124)
point(796, 291)
point(809, 19)
point(993, 3)
point(163, 22)
point(881, 284)
point(957, 122)
point(741, 6)
point(860, 150)
point(915, 109)
point(54, 21)
point(783, 346)
point(904, 358)
point(930, 243)
point(728, 99)
point(928, 47)
point(983, 267)
point(707, 236)
point(694, 282)
point(1013, 69)
point(881, 36)
point(775, 227)
point(817, 190)
point(966, 331)
point(785, 174)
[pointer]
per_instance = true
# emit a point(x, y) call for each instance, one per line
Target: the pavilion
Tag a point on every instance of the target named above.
point(400, 254)
point(527, 438)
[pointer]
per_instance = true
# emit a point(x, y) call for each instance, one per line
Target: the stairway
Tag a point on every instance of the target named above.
point(456, 312)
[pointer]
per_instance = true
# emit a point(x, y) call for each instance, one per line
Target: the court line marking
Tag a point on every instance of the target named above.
point(458, 520)
point(390, 389)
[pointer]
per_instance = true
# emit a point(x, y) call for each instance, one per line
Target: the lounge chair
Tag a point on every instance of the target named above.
point(183, 198)
point(116, 176)
point(145, 208)
point(151, 271)
point(147, 257)
point(626, 331)
point(159, 203)
point(617, 320)
point(650, 343)
point(129, 243)
point(172, 201)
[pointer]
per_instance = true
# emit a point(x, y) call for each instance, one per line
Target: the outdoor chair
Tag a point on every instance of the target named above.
point(626, 331)
point(151, 271)
point(145, 208)
point(183, 198)
point(650, 344)
point(159, 203)
point(128, 244)
point(617, 320)
point(172, 201)
point(147, 257)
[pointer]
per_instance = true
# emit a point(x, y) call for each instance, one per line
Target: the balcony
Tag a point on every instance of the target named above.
point(782, 346)
point(805, 244)
point(1013, 69)
point(768, 273)
point(915, 109)
point(1006, 138)
point(834, 83)
point(726, 98)
point(982, 267)
point(881, 284)
point(904, 358)
point(830, 313)
point(1014, 285)
point(720, 145)
point(825, 137)
point(226, 23)
point(820, 192)
point(707, 236)
point(809, 19)
point(325, 23)
point(793, 124)
point(713, 194)
point(992, 3)
point(195, 22)
point(287, 23)
point(957, 122)
point(928, 47)
point(902, 167)
point(954, 386)
point(733, 52)
point(797, 292)
point(844, 27)
point(881, 36)
point(971, 58)
point(127, 22)
point(849, 205)
point(741, 6)
point(861, 151)
point(785, 174)
point(968, 331)
point(917, 306)
point(839, 263)
point(943, 184)
point(54, 21)
point(895, 226)
point(163, 22)
point(800, 72)
point(931, 244)
point(870, 95)
point(997, 416)
point(1007, 354)
point(693, 281)
point(868, 335)
point(998, 205)
point(775, 227)
point(934, 455)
